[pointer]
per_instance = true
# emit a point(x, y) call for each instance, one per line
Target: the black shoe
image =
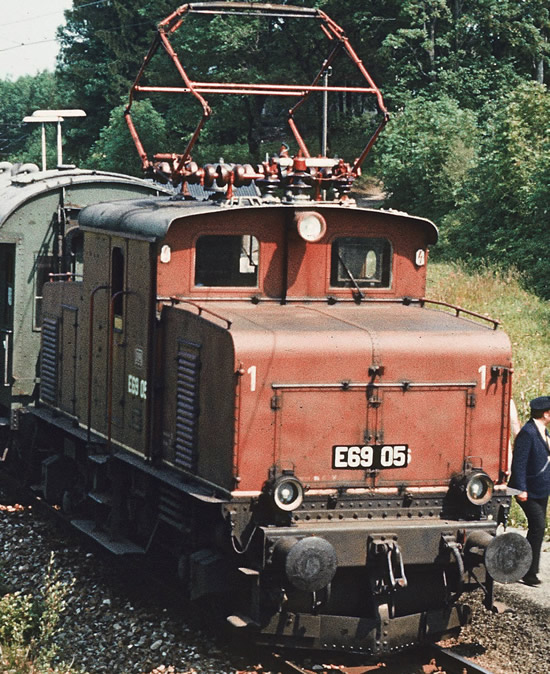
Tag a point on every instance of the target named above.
point(532, 580)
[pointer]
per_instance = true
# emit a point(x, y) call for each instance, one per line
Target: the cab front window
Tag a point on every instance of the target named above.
point(226, 260)
point(360, 261)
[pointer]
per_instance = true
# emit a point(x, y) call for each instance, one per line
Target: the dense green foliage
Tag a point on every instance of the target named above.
point(504, 215)
point(115, 148)
point(18, 99)
point(465, 83)
point(425, 157)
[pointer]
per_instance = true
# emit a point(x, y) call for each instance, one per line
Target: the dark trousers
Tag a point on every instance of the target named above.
point(535, 511)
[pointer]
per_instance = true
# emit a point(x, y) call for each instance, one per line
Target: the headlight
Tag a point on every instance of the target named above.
point(311, 226)
point(479, 488)
point(288, 493)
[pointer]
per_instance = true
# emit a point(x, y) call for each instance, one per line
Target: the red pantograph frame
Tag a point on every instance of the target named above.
point(173, 22)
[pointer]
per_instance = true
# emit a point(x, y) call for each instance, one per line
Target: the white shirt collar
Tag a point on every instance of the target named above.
point(541, 427)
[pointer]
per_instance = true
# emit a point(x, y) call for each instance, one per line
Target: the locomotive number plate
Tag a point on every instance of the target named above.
point(372, 457)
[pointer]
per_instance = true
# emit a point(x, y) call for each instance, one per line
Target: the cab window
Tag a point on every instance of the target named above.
point(360, 260)
point(226, 260)
point(117, 286)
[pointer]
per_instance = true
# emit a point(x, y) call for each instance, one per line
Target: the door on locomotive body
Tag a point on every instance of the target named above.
point(435, 426)
point(117, 288)
point(130, 308)
point(7, 299)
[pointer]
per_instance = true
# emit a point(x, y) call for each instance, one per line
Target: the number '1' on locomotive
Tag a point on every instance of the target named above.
point(255, 389)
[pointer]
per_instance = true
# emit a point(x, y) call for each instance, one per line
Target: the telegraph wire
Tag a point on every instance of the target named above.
point(103, 30)
point(26, 44)
point(41, 16)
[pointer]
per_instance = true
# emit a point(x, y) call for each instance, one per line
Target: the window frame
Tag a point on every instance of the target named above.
point(228, 286)
point(38, 297)
point(387, 249)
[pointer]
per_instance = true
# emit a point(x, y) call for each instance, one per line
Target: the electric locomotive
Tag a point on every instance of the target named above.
point(254, 392)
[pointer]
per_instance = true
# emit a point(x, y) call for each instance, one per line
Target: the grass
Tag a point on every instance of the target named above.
point(524, 317)
point(29, 624)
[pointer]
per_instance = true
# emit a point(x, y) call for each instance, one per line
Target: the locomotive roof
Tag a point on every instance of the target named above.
point(17, 189)
point(151, 218)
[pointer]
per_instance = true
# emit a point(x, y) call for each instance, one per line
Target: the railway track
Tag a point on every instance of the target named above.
point(429, 660)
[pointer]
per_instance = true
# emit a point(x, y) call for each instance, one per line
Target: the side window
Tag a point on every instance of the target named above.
point(361, 260)
point(117, 285)
point(226, 260)
point(7, 281)
point(44, 265)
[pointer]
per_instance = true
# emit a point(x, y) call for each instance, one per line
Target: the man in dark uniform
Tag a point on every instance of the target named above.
point(531, 478)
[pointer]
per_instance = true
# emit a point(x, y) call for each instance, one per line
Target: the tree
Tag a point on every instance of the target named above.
point(102, 48)
point(471, 51)
point(18, 99)
point(115, 150)
point(504, 217)
point(424, 156)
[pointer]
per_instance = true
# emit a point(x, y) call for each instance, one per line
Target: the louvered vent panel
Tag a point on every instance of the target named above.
point(170, 507)
point(48, 361)
point(187, 410)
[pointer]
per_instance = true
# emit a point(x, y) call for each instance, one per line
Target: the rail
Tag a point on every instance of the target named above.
point(430, 659)
point(7, 339)
point(63, 276)
point(350, 386)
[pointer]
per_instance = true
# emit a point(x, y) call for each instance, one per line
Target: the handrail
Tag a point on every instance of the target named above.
point(460, 310)
point(178, 300)
point(114, 298)
point(90, 357)
point(7, 352)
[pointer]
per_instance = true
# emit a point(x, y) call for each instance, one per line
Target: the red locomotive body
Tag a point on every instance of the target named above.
point(257, 387)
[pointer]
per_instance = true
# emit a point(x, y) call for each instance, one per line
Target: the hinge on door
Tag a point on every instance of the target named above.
point(372, 398)
point(471, 400)
point(501, 371)
point(370, 436)
point(372, 393)
point(276, 402)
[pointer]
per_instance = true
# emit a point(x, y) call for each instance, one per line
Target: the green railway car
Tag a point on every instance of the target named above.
point(39, 240)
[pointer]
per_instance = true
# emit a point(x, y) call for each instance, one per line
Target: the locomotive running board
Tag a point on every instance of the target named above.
point(120, 547)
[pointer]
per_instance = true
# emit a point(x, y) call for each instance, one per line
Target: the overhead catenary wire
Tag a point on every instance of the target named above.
point(89, 4)
point(41, 16)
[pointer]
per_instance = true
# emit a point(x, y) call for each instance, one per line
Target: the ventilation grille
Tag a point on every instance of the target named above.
point(187, 401)
point(48, 361)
